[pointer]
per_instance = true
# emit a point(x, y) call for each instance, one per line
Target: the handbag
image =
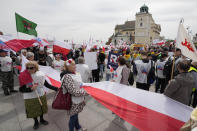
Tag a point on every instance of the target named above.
point(62, 101)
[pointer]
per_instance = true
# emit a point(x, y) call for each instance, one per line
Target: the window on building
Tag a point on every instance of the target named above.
point(141, 19)
point(141, 24)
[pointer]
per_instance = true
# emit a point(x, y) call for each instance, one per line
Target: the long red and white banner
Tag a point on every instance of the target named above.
point(145, 110)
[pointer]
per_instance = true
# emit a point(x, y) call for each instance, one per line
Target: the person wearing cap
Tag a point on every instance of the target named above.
point(6, 73)
point(58, 64)
point(161, 79)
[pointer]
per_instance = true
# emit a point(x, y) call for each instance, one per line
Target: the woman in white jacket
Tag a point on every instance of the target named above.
point(32, 82)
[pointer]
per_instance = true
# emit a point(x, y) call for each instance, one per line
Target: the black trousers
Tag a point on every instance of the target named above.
point(194, 101)
point(160, 84)
point(95, 75)
point(142, 86)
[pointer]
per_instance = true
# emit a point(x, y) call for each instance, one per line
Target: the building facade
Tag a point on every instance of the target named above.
point(143, 30)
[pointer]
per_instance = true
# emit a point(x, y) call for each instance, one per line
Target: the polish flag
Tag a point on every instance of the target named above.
point(184, 42)
point(158, 42)
point(62, 47)
point(143, 109)
point(16, 44)
point(52, 76)
point(148, 111)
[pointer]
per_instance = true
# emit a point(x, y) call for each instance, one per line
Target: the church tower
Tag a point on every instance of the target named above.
point(145, 27)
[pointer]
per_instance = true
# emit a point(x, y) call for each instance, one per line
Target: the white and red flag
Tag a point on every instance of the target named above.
point(145, 110)
point(184, 42)
point(16, 44)
point(158, 42)
point(148, 111)
point(62, 47)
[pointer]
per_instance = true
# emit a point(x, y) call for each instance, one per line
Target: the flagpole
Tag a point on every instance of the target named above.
point(17, 35)
point(173, 64)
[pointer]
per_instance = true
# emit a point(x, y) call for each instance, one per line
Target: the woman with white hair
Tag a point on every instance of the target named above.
point(30, 56)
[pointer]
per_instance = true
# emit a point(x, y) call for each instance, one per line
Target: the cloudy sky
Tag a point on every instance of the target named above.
point(79, 20)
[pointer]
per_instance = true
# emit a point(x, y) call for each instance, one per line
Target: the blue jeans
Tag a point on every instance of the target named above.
point(108, 76)
point(74, 123)
point(101, 67)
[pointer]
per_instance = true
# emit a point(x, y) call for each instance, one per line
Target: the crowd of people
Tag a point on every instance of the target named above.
point(164, 68)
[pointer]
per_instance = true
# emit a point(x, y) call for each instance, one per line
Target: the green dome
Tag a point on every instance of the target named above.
point(144, 9)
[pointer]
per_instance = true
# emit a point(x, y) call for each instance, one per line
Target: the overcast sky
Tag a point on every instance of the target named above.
point(80, 19)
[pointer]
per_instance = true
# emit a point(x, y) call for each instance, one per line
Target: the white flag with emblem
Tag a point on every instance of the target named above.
point(184, 42)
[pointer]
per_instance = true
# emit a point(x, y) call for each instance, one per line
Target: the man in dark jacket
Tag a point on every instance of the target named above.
point(193, 71)
point(180, 88)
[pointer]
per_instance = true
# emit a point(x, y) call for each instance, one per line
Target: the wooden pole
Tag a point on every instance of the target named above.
point(173, 64)
point(38, 97)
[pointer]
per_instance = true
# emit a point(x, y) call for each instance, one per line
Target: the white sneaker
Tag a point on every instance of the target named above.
point(82, 129)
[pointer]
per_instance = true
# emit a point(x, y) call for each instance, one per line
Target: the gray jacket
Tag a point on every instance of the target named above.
point(180, 88)
point(125, 76)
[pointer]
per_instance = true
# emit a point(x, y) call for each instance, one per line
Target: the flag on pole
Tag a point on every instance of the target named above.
point(25, 26)
point(62, 47)
point(18, 44)
point(184, 42)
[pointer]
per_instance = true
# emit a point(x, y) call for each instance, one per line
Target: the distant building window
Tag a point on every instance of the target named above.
point(141, 19)
point(141, 24)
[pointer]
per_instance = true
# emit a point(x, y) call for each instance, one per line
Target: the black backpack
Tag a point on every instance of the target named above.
point(131, 78)
point(151, 75)
point(168, 68)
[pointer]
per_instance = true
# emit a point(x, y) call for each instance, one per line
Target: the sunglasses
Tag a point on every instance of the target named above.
point(30, 68)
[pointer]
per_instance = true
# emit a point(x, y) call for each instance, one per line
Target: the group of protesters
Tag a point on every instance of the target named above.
point(164, 68)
